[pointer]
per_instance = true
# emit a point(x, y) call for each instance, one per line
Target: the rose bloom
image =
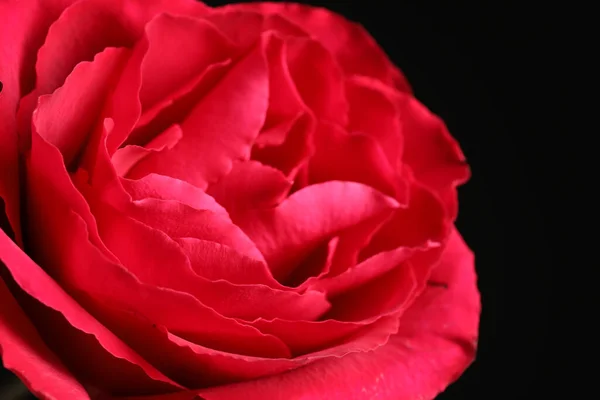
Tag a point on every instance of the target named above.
point(242, 202)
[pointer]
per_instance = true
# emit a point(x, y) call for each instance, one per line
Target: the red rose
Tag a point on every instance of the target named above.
point(238, 202)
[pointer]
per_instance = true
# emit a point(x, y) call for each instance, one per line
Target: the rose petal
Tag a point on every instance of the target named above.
point(215, 261)
point(294, 152)
point(164, 70)
point(435, 343)
point(126, 157)
point(433, 155)
point(79, 264)
point(285, 103)
point(389, 294)
point(352, 241)
point(66, 117)
point(201, 367)
point(26, 25)
point(220, 129)
point(374, 113)
point(180, 221)
point(89, 26)
point(162, 187)
point(353, 47)
point(318, 79)
point(314, 267)
point(35, 282)
point(287, 233)
point(24, 353)
point(250, 185)
point(356, 157)
point(83, 269)
point(423, 221)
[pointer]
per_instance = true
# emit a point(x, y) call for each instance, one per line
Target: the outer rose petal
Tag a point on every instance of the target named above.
point(23, 26)
point(35, 282)
point(435, 343)
point(25, 353)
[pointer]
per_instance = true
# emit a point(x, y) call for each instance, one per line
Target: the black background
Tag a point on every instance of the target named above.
point(488, 69)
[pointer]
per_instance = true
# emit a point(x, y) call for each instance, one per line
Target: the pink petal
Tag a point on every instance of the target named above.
point(356, 157)
point(352, 46)
point(35, 282)
point(24, 353)
point(126, 157)
point(435, 343)
point(221, 128)
point(250, 185)
point(65, 117)
point(287, 233)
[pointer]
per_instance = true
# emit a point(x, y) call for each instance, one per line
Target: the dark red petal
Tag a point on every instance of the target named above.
point(66, 117)
point(250, 185)
point(26, 354)
point(36, 283)
point(287, 233)
point(220, 129)
point(374, 113)
point(435, 343)
point(356, 157)
point(352, 46)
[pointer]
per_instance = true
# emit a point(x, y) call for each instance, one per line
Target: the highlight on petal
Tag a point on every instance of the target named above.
point(287, 233)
